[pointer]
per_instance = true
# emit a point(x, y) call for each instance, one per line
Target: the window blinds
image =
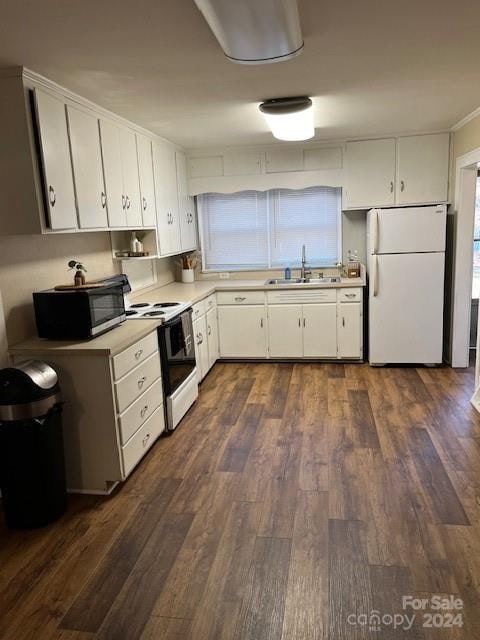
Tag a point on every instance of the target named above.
point(261, 230)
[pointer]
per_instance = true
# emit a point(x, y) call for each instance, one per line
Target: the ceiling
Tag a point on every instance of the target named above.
point(373, 67)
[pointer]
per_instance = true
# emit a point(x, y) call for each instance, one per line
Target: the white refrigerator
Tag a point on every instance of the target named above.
point(406, 266)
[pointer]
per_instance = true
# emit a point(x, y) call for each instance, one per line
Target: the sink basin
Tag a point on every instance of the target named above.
point(282, 281)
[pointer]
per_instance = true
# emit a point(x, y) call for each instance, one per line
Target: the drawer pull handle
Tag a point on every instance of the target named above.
point(123, 202)
point(144, 410)
point(343, 322)
point(209, 330)
point(350, 295)
point(138, 354)
point(103, 199)
point(52, 196)
point(144, 200)
point(127, 202)
point(146, 439)
point(240, 298)
point(142, 381)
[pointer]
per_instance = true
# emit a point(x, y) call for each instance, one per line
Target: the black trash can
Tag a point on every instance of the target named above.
point(32, 465)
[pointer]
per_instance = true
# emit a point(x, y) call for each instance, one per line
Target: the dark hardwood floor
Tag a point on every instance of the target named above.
point(292, 500)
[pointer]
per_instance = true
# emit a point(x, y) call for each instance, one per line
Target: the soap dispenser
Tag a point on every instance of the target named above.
point(288, 273)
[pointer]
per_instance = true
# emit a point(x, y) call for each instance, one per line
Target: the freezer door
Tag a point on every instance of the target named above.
point(406, 308)
point(412, 230)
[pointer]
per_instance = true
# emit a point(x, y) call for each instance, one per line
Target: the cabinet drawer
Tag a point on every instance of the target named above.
point(350, 295)
point(137, 381)
point(210, 302)
point(198, 309)
point(134, 355)
point(301, 295)
point(142, 440)
point(137, 413)
point(241, 297)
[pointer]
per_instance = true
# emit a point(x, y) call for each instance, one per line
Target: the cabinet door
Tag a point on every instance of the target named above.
point(112, 171)
point(165, 173)
point(145, 172)
point(56, 161)
point(349, 330)
point(212, 335)
point(87, 169)
point(201, 347)
point(370, 173)
point(186, 212)
point(285, 331)
point(241, 331)
point(422, 165)
point(131, 183)
point(320, 330)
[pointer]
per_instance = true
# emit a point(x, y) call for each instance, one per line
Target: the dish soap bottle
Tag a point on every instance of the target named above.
point(288, 273)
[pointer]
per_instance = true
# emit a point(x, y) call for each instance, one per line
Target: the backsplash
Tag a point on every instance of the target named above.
point(33, 263)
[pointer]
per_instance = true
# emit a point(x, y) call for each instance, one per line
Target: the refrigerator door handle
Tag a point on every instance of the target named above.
point(375, 276)
point(375, 236)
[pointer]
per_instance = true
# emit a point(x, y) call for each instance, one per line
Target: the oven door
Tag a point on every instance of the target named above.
point(177, 351)
point(107, 307)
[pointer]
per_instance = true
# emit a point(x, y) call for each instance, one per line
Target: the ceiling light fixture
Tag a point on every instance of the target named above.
point(289, 118)
point(253, 31)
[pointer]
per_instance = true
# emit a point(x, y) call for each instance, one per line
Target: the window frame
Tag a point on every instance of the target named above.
point(339, 220)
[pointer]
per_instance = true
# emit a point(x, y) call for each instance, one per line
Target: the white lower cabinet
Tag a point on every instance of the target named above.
point(242, 331)
point(212, 336)
point(349, 330)
point(205, 333)
point(285, 331)
point(320, 330)
point(201, 347)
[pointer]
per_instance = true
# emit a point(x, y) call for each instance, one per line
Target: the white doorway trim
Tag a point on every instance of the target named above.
point(465, 188)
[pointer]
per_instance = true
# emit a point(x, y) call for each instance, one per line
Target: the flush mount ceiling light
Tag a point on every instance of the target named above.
point(254, 31)
point(289, 118)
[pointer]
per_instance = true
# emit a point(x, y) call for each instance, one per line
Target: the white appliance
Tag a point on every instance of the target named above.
point(406, 266)
point(163, 311)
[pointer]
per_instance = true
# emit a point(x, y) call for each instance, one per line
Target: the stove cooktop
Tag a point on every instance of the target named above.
point(156, 310)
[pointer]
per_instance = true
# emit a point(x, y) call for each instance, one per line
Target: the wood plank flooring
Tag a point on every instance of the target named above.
point(292, 499)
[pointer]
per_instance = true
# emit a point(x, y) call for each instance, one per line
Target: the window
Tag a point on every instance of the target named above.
point(264, 230)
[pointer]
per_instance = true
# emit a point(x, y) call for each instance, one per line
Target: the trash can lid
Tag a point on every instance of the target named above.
point(29, 381)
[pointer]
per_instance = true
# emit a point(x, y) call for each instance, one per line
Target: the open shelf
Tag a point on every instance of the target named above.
point(121, 242)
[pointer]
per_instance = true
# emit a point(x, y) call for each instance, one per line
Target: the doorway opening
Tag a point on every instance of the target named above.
point(475, 273)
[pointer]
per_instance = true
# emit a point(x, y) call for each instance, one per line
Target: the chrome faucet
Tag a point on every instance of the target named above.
point(304, 272)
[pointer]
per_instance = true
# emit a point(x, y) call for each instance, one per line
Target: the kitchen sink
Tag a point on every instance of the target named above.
point(282, 281)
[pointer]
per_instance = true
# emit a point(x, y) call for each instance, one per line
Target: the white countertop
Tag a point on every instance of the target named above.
point(196, 291)
point(109, 343)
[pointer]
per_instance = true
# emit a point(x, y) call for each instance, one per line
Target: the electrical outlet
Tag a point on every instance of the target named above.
point(224, 275)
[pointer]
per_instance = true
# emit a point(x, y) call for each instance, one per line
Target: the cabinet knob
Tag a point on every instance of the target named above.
point(142, 381)
point(103, 199)
point(138, 354)
point(52, 196)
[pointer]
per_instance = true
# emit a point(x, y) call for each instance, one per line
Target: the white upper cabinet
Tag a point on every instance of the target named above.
point(370, 174)
point(165, 173)
point(131, 183)
point(422, 169)
point(186, 207)
point(402, 171)
point(87, 169)
point(147, 189)
point(56, 161)
point(112, 168)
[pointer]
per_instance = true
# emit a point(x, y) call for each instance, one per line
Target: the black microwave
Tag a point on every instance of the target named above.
point(78, 314)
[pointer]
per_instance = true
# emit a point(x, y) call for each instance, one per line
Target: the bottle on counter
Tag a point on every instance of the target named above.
point(288, 273)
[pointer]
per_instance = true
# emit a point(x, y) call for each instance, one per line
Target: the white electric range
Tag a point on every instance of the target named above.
point(163, 311)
